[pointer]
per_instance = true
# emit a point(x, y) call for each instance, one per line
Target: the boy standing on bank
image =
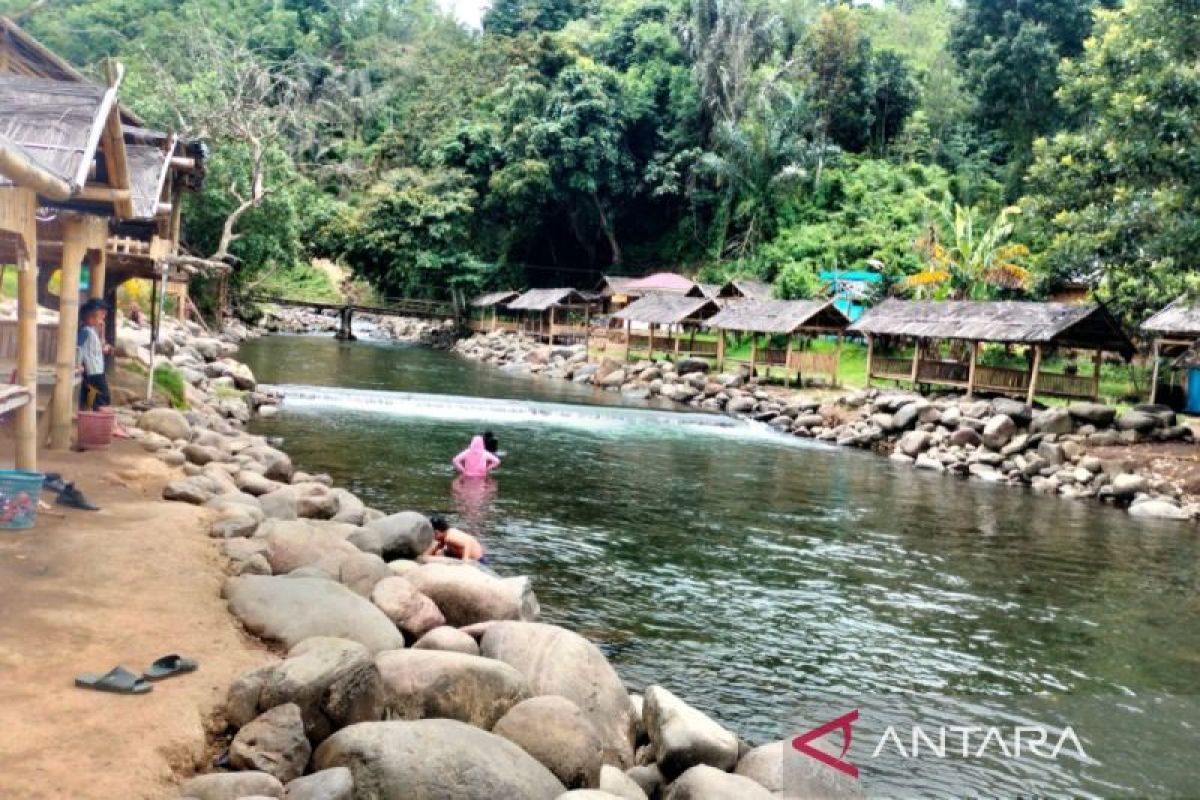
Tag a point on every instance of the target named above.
point(93, 392)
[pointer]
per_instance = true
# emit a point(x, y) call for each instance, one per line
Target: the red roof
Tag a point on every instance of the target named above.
point(662, 282)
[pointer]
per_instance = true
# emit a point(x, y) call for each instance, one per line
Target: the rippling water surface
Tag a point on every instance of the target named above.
point(743, 568)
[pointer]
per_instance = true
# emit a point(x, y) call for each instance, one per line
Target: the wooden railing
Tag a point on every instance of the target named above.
point(944, 372)
point(772, 358)
point(1060, 385)
point(47, 342)
point(807, 363)
point(1002, 379)
point(698, 348)
point(882, 366)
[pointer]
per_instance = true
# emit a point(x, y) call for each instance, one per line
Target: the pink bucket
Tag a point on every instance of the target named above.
point(96, 429)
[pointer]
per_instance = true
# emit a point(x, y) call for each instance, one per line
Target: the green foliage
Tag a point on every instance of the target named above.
point(1120, 192)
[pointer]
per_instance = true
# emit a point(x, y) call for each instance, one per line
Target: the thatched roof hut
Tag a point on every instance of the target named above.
point(493, 299)
point(664, 282)
point(1179, 320)
point(612, 285)
point(780, 317)
point(747, 288)
point(545, 299)
point(668, 309)
point(1084, 326)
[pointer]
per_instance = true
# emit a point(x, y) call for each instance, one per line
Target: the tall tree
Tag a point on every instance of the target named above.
point(513, 17)
point(1120, 193)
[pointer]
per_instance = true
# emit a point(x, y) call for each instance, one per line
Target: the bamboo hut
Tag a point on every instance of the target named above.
point(746, 289)
point(616, 292)
point(677, 313)
point(1176, 331)
point(966, 326)
point(553, 315)
point(797, 320)
point(491, 302)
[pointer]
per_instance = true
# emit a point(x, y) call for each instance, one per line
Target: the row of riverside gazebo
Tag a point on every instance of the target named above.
point(923, 343)
point(82, 183)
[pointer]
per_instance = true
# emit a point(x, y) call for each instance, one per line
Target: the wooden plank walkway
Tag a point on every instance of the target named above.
point(405, 307)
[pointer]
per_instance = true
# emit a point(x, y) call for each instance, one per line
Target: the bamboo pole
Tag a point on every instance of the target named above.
point(1096, 362)
point(754, 354)
point(1154, 373)
point(1033, 374)
point(720, 351)
point(550, 339)
point(787, 366)
point(98, 263)
point(27, 322)
point(916, 365)
point(971, 369)
point(63, 403)
point(870, 358)
point(837, 361)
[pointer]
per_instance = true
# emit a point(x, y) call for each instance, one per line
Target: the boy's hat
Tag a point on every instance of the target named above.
point(95, 304)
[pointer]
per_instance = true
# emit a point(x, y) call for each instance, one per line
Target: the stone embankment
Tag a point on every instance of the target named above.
point(400, 675)
point(999, 441)
point(284, 319)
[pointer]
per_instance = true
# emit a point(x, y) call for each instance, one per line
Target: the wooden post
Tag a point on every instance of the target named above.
point(550, 339)
point(628, 338)
point(678, 337)
point(720, 351)
point(63, 403)
point(916, 365)
point(98, 264)
point(971, 369)
point(1097, 360)
point(1154, 373)
point(754, 354)
point(870, 357)
point(18, 213)
point(837, 361)
point(1033, 374)
point(787, 366)
point(650, 347)
point(587, 330)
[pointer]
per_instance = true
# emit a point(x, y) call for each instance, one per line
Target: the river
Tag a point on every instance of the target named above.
point(743, 568)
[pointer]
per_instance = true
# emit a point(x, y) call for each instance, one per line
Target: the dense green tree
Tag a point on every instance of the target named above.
point(1120, 193)
point(512, 17)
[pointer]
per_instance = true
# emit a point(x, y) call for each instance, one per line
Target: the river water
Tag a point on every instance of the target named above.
point(742, 568)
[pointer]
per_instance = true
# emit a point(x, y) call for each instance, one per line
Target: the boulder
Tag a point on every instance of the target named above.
point(1052, 420)
point(703, 782)
point(1138, 421)
point(349, 509)
point(776, 769)
point(688, 366)
point(282, 504)
point(553, 730)
point(1158, 508)
point(315, 501)
point(684, 736)
point(256, 484)
point(361, 572)
point(166, 422)
point(1164, 414)
point(913, 443)
point(908, 414)
point(276, 464)
point(328, 784)
point(741, 405)
point(618, 784)
point(293, 545)
point(648, 778)
point(436, 758)
point(421, 684)
point(196, 490)
point(412, 612)
point(1052, 454)
point(611, 380)
point(1096, 414)
point(333, 683)
point(966, 437)
point(1127, 485)
point(290, 610)
point(998, 431)
point(404, 535)
point(764, 765)
point(201, 454)
point(231, 786)
point(274, 743)
point(465, 594)
point(557, 661)
point(449, 639)
point(1016, 410)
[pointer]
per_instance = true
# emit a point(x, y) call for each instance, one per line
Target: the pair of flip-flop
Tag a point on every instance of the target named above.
point(119, 680)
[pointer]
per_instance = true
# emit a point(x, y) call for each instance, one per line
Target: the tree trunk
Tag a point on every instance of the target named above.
point(611, 235)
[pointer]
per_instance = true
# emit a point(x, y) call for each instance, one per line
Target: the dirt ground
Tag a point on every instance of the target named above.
point(86, 591)
point(1178, 461)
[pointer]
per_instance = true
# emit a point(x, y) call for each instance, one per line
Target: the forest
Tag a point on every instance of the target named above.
point(963, 148)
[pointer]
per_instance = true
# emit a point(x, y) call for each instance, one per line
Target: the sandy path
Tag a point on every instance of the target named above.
point(137, 580)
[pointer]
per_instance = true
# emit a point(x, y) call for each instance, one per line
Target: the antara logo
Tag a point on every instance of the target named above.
point(843, 724)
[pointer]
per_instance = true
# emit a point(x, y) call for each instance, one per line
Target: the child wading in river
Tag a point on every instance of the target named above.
point(476, 461)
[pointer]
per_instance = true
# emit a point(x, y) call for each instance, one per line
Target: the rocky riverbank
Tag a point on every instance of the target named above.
point(399, 675)
point(1000, 441)
point(284, 319)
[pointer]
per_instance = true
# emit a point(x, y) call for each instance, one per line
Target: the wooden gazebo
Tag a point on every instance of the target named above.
point(677, 313)
point(929, 326)
point(797, 320)
point(1176, 330)
point(552, 314)
point(488, 305)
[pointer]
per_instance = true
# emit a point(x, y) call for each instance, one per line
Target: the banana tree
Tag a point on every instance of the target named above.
point(969, 264)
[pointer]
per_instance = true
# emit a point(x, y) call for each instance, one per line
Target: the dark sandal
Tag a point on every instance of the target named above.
point(118, 681)
point(170, 665)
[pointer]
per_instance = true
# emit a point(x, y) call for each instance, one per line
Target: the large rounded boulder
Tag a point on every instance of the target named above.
point(404, 535)
point(274, 743)
point(435, 759)
point(290, 610)
point(466, 594)
point(553, 730)
point(422, 684)
point(332, 682)
point(684, 736)
point(703, 782)
point(557, 661)
point(296, 544)
point(411, 611)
